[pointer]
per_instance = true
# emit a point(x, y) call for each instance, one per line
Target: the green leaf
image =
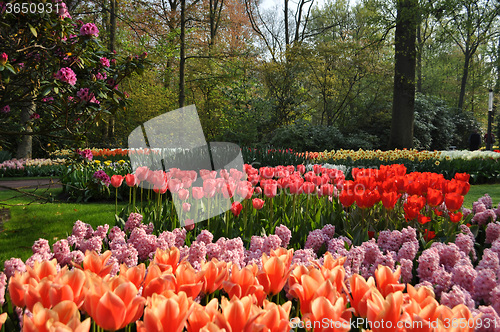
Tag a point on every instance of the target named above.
point(10, 68)
point(56, 90)
point(46, 90)
point(33, 30)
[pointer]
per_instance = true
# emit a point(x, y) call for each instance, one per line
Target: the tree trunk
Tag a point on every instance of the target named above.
point(419, 59)
point(287, 33)
point(465, 75)
point(182, 56)
point(112, 24)
point(25, 147)
point(110, 126)
point(404, 75)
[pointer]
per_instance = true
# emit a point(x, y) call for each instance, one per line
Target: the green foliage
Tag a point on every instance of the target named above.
point(304, 136)
point(5, 155)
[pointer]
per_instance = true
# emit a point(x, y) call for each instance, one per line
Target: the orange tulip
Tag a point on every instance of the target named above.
point(361, 292)
point(322, 310)
point(273, 317)
point(63, 317)
point(243, 282)
point(188, 280)
point(134, 274)
point(97, 263)
point(457, 319)
point(3, 318)
point(167, 312)
point(44, 269)
point(236, 314)
point(387, 281)
point(215, 273)
point(202, 315)
point(169, 257)
point(273, 275)
point(113, 304)
point(388, 310)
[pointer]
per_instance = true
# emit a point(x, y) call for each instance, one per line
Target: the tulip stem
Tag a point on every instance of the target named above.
point(116, 201)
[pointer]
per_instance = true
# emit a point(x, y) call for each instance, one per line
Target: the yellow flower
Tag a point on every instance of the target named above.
point(437, 163)
point(121, 162)
point(107, 162)
point(97, 161)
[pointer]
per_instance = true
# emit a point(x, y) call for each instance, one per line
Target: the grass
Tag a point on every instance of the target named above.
point(54, 221)
point(478, 191)
point(51, 221)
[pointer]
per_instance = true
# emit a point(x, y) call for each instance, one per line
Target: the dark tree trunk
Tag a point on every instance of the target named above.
point(465, 75)
point(25, 147)
point(182, 56)
point(404, 75)
point(419, 60)
point(287, 33)
point(110, 126)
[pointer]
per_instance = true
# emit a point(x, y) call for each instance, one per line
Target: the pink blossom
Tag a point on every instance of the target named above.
point(104, 62)
point(6, 109)
point(205, 237)
point(62, 10)
point(101, 76)
point(89, 29)
point(66, 75)
point(3, 58)
point(84, 94)
point(304, 257)
point(3, 284)
point(484, 282)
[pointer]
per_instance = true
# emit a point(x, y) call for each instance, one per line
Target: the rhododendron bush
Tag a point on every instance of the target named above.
point(68, 79)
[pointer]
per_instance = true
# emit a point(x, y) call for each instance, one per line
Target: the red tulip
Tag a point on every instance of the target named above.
point(455, 217)
point(308, 188)
point(258, 203)
point(131, 180)
point(389, 199)
point(429, 235)
point(301, 169)
point(116, 180)
point(236, 208)
point(142, 173)
point(423, 219)
point(434, 197)
point(198, 192)
point(270, 189)
point(453, 201)
point(347, 198)
point(183, 194)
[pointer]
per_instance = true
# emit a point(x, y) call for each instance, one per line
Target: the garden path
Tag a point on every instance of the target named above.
point(30, 184)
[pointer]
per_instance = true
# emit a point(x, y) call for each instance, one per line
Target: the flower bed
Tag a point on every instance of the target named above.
point(386, 245)
point(31, 167)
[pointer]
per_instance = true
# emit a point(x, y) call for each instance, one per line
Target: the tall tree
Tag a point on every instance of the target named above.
point(404, 74)
point(470, 24)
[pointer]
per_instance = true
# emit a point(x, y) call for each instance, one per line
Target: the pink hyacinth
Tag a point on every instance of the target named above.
point(328, 230)
point(406, 270)
point(205, 237)
point(484, 282)
point(457, 295)
point(62, 252)
point(492, 232)
point(133, 221)
point(428, 262)
point(488, 314)
point(3, 284)
point(12, 266)
point(66, 75)
point(304, 257)
point(89, 29)
point(464, 274)
point(284, 234)
point(315, 240)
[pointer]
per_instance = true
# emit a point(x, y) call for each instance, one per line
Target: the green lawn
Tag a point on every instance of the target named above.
point(54, 221)
point(479, 190)
point(51, 221)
